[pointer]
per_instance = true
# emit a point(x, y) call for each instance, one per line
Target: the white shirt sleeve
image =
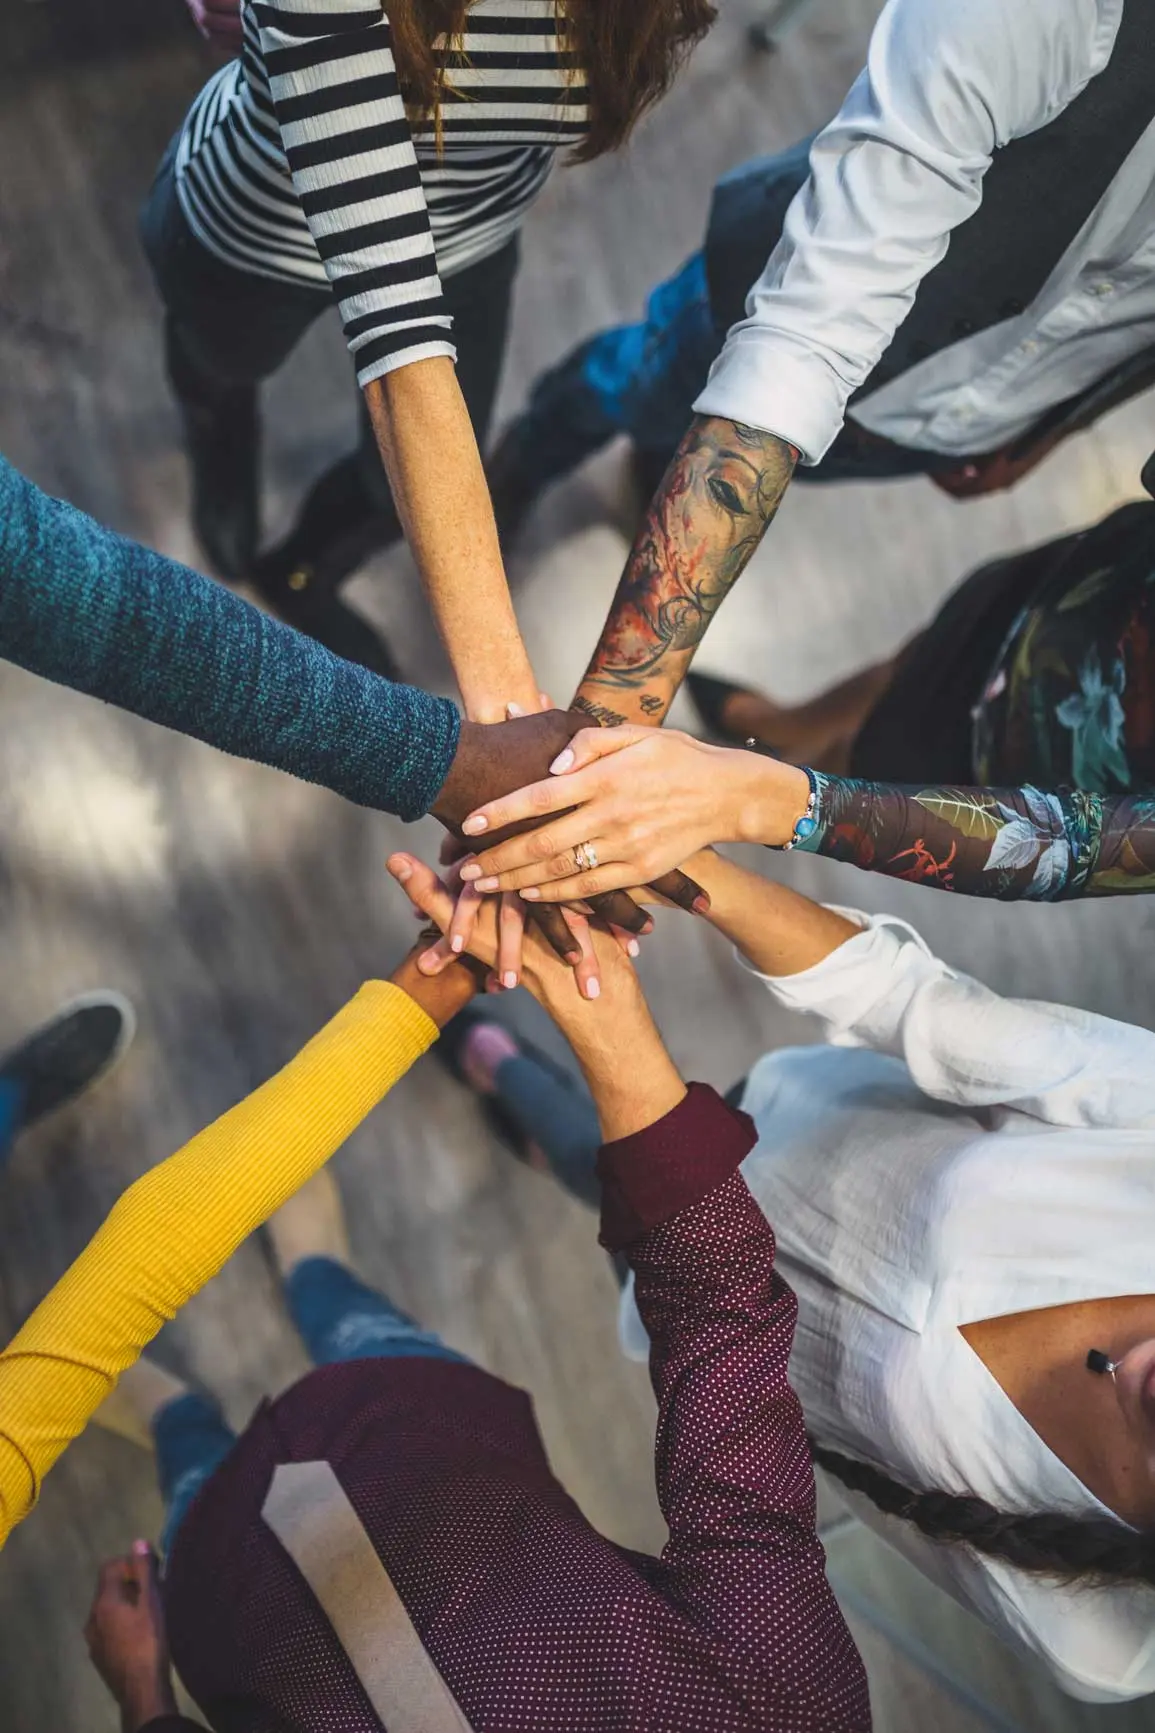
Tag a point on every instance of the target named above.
point(947, 82)
point(967, 1045)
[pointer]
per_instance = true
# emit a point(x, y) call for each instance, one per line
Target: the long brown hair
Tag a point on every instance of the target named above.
point(630, 52)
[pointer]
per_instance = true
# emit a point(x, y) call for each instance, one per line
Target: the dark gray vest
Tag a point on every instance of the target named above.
point(1036, 196)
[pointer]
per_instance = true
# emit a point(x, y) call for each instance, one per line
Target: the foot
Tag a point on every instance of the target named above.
point(63, 1058)
point(310, 1225)
point(143, 1390)
point(484, 1051)
point(223, 450)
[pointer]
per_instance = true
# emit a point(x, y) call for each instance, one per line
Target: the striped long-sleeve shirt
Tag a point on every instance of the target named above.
point(298, 162)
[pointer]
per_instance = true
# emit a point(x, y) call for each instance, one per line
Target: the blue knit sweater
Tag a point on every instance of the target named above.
point(97, 612)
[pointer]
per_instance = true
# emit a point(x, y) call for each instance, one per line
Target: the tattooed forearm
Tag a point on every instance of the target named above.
point(601, 714)
point(716, 502)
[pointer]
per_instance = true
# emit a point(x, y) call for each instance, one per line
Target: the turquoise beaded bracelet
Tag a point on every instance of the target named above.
point(807, 824)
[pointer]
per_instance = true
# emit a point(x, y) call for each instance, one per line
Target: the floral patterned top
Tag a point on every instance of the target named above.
point(1070, 705)
point(1009, 843)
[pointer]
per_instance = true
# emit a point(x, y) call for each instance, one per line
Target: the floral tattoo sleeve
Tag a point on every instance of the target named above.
point(1009, 843)
point(716, 502)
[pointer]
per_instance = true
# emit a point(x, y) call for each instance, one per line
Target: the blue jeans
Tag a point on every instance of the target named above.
point(641, 380)
point(338, 1318)
point(11, 1099)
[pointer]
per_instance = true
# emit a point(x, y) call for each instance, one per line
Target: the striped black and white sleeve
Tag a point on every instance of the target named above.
point(350, 152)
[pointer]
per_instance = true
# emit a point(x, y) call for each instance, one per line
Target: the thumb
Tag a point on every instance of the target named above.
point(142, 1568)
point(590, 744)
point(423, 888)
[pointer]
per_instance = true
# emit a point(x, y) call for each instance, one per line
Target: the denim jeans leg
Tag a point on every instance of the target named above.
point(192, 1439)
point(11, 1097)
point(562, 1122)
point(340, 1318)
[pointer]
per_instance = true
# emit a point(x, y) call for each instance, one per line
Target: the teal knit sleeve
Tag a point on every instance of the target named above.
point(97, 612)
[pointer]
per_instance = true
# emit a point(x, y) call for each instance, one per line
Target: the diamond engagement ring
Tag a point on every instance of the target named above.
point(586, 856)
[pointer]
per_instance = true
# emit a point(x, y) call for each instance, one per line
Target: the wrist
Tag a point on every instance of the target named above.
point(146, 1700)
point(771, 797)
point(441, 996)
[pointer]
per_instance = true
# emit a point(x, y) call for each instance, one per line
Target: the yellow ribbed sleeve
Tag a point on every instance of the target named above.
point(174, 1229)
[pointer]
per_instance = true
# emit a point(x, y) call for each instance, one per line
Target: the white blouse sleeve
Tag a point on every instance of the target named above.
point(967, 1045)
point(901, 165)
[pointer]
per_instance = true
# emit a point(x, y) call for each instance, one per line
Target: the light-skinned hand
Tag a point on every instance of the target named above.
point(646, 798)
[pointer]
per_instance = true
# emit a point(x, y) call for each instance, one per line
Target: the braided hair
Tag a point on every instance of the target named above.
point(1075, 1549)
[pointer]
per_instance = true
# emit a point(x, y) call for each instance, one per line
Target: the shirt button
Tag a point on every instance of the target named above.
point(1102, 288)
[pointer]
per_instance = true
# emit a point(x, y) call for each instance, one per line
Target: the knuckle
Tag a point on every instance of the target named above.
point(541, 797)
point(542, 845)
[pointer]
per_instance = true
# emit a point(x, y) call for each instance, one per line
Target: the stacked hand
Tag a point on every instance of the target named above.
point(647, 799)
point(492, 762)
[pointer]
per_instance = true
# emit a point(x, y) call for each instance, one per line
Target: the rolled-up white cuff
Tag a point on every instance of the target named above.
point(848, 984)
point(765, 381)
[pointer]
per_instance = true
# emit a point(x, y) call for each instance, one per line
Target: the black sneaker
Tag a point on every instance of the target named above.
point(58, 1061)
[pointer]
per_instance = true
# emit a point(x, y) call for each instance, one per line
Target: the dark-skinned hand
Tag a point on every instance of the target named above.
point(126, 1638)
point(499, 758)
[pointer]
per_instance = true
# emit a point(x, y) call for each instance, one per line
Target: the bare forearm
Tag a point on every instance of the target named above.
point(631, 1077)
point(778, 931)
point(716, 502)
point(430, 454)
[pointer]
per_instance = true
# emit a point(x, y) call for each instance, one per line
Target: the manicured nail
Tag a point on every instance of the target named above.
point(701, 905)
point(573, 958)
point(593, 989)
point(514, 710)
point(633, 949)
point(509, 979)
point(475, 825)
point(562, 762)
point(457, 944)
point(141, 1548)
point(427, 962)
point(532, 894)
point(470, 872)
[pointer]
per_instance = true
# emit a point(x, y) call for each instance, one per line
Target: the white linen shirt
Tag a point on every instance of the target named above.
point(900, 166)
point(954, 1156)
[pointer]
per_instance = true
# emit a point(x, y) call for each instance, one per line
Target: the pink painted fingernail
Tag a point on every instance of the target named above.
point(457, 944)
point(633, 949)
point(701, 905)
point(473, 826)
point(485, 884)
point(513, 711)
point(593, 989)
point(562, 762)
point(532, 894)
point(471, 872)
point(509, 979)
point(141, 1548)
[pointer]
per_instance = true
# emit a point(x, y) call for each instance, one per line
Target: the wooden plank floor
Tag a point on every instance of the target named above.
point(238, 909)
